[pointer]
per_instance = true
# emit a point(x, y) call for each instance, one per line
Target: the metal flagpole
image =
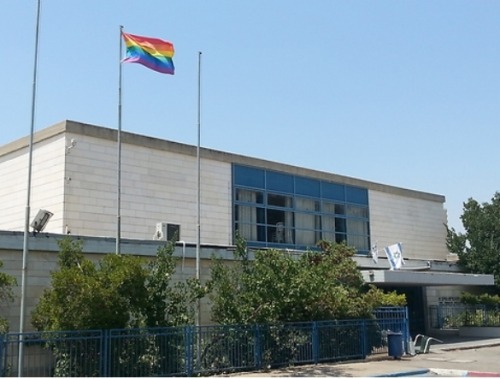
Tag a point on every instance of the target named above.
point(198, 221)
point(119, 143)
point(28, 196)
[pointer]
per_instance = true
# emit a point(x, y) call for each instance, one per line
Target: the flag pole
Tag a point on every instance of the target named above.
point(198, 221)
point(28, 197)
point(119, 147)
point(198, 213)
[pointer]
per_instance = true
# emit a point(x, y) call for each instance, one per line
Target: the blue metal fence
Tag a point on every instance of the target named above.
point(190, 350)
point(453, 316)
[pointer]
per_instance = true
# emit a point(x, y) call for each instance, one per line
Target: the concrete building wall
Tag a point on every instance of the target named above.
point(418, 223)
point(47, 183)
point(156, 186)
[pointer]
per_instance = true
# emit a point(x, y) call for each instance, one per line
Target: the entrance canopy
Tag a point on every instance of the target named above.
point(424, 278)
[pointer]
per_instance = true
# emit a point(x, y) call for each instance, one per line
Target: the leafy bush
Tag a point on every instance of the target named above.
point(118, 292)
point(483, 299)
point(277, 287)
point(6, 295)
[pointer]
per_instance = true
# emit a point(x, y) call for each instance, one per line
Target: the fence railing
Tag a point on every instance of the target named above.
point(453, 316)
point(191, 350)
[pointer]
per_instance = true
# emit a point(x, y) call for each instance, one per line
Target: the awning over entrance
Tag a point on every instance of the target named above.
point(427, 278)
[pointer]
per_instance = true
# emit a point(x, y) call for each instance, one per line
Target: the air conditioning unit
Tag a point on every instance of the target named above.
point(166, 231)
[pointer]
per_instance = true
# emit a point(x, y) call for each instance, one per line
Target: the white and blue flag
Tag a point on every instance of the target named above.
point(375, 253)
point(395, 256)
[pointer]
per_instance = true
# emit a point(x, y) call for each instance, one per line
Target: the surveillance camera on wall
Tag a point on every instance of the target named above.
point(40, 221)
point(71, 145)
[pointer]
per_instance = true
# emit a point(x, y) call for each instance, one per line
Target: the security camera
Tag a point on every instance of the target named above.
point(40, 221)
point(71, 145)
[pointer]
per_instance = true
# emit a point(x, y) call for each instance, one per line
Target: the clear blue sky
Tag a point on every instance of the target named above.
point(405, 93)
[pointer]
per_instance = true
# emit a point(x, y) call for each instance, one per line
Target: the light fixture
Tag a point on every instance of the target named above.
point(40, 221)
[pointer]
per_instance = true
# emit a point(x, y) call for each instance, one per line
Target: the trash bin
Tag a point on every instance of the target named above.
point(395, 344)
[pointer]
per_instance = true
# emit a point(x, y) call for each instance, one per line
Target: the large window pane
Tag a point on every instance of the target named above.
point(355, 226)
point(340, 237)
point(247, 231)
point(340, 225)
point(340, 209)
point(333, 191)
point(249, 176)
point(328, 236)
point(306, 204)
point(328, 228)
point(279, 200)
point(249, 196)
point(307, 186)
point(359, 242)
point(280, 234)
point(306, 237)
point(356, 211)
point(280, 226)
point(308, 221)
point(356, 195)
point(328, 207)
point(277, 181)
point(246, 214)
point(333, 208)
point(328, 223)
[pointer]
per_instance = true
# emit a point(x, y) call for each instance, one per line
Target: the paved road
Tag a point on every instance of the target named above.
point(455, 359)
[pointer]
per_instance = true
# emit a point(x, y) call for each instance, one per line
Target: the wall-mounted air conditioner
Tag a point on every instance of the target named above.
point(166, 231)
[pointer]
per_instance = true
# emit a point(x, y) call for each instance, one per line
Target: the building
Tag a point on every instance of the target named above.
point(270, 204)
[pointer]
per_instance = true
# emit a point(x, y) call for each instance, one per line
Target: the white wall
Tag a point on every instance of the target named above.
point(47, 189)
point(156, 185)
point(417, 223)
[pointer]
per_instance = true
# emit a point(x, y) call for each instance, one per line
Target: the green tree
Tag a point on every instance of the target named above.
point(170, 304)
point(278, 287)
point(86, 295)
point(6, 295)
point(478, 248)
point(119, 291)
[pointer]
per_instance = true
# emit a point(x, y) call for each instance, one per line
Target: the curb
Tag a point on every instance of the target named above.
point(451, 372)
point(466, 346)
point(441, 372)
point(405, 373)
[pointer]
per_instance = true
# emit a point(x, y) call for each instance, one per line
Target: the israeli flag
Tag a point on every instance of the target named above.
point(395, 256)
point(375, 253)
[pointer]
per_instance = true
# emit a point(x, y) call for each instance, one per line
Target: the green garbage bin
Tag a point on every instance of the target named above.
point(395, 344)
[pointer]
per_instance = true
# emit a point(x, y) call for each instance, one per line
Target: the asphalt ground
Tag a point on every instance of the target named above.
point(456, 359)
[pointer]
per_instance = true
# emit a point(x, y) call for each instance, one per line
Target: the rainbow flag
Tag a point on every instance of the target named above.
point(153, 53)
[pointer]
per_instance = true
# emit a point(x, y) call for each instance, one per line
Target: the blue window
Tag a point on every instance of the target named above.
point(248, 177)
point(275, 209)
point(279, 182)
point(306, 186)
point(356, 195)
point(333, 191)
